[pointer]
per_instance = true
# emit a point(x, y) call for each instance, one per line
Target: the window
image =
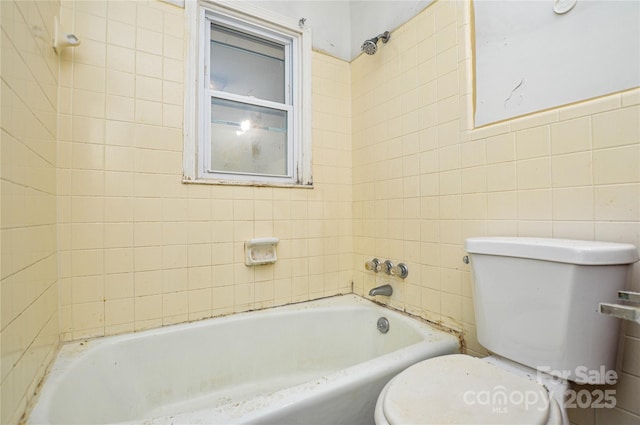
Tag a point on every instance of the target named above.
point(247, 117)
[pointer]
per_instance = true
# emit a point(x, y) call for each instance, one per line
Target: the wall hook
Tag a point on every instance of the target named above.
point(62, 39)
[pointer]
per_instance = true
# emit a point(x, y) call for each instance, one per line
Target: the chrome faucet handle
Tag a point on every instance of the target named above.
point(386, 267)
point(401, 270)
point(372, 265)
point(379, 267)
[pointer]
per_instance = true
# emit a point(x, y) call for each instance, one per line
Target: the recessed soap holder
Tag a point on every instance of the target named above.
point(260, 251)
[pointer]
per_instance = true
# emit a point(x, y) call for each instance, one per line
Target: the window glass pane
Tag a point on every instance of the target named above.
point(246, 65)
point(248, 139)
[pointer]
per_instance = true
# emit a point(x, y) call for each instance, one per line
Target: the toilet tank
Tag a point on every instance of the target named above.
point(536, 302)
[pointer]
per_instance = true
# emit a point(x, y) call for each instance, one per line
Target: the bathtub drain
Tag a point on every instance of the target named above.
point(383, 325)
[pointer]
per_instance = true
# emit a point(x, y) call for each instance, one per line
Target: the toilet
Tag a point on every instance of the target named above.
point(536, 310)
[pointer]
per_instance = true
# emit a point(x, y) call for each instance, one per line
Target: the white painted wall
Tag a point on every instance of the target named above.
point(370, 18)
point(530, 59)
point(340, 27)
point(328, 20)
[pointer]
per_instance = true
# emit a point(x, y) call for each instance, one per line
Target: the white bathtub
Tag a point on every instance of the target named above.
point(320, 362)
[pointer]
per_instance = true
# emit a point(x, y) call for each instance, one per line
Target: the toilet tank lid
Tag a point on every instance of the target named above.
point(557, 250)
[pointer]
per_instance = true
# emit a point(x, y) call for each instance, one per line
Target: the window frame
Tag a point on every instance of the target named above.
point(198, 94)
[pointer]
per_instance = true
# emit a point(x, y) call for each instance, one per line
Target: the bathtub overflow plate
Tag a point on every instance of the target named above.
point(383, 325)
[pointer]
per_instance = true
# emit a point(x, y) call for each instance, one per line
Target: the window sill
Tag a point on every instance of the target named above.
point(187, 180)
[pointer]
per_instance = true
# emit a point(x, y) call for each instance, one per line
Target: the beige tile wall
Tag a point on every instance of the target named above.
point(424, 180)
point(139, 249)
point(28, 272)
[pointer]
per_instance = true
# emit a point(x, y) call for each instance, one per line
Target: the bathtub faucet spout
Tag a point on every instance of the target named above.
point(385, 290)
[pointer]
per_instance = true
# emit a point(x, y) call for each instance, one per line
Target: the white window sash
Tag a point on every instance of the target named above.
point(206, 154)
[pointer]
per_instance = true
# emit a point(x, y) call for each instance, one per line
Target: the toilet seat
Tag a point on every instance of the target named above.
point(460, 389)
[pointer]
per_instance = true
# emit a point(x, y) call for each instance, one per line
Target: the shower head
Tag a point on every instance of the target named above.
point(370, 46)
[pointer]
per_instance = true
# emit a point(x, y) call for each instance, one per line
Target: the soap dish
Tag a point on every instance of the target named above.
point(260, 251)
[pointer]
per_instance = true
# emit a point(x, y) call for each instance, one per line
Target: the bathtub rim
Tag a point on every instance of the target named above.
point(73, 351)
point(85, 344)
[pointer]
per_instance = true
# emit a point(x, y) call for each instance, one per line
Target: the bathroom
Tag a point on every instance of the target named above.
point(106, 239)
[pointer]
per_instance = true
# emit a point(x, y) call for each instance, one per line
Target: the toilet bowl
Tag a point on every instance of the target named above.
point(461, 389)
point(536, 311)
